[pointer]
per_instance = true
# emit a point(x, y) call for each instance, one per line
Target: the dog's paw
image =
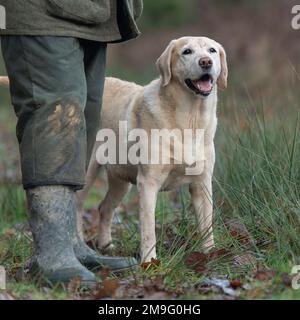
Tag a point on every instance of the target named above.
point(148, 256)
point(109, 248)
point(208, 245)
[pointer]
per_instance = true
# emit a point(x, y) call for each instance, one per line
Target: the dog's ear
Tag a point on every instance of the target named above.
point(222, 80)
point(163, 64)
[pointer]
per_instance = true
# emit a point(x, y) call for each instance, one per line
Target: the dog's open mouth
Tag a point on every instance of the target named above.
point(201, 86)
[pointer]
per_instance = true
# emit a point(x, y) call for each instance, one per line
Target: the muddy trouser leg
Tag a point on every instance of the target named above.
point(94, 65)
point(48, 91)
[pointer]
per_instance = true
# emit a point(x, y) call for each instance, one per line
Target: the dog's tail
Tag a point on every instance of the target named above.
point(4, 81)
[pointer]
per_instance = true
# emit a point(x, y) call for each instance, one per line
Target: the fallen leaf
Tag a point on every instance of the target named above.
point(107, 290)
point(197, 261)
point(152, 263)
point(264, 275)
point(200, 269)
point(217, 254)
point(196, 257)
point(235, 284)
point(238, 230)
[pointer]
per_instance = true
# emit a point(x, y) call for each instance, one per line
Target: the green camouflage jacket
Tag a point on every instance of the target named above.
point(99, 20)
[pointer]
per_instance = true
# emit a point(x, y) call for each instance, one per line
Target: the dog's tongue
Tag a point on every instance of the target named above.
point(203, 85)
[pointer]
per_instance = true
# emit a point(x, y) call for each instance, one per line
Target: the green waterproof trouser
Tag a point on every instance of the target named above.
point(56, 86)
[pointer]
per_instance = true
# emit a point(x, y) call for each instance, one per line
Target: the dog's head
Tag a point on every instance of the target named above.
point(197, 63)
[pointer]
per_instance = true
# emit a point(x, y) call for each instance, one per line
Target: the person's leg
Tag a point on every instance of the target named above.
point(48, 83)
point(95, 68)
point(48, 91)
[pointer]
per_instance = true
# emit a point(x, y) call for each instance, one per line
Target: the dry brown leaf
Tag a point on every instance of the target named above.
point(238, 230)
point(197, 261)
point(235, 284)
point(108, 289)
point(218, 254)
point(264, 275)
point(150, 264)
point(196, 258)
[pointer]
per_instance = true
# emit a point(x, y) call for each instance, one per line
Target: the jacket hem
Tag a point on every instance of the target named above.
point(75, 34)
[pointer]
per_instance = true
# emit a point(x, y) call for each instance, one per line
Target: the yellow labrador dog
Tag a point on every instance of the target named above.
point(184, 97)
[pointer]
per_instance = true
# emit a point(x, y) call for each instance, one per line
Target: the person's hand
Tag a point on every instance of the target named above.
point(4, 81)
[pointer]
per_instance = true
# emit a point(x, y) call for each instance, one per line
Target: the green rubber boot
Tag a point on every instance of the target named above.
point(90, 258)
point(54, 259)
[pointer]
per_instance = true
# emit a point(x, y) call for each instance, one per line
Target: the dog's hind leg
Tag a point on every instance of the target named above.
point(92, 173)
point(117, 189)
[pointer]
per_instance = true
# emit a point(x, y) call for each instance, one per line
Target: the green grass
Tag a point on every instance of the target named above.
point(256, 182)
point(257, 179)
point(12, 205)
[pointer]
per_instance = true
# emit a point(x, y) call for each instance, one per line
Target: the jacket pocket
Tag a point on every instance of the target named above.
point(82, 11)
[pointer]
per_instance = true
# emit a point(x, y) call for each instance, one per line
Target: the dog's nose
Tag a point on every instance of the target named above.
point(205, 63)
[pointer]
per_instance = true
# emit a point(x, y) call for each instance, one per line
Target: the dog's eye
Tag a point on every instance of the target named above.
point(212, 50)
point(187, 51)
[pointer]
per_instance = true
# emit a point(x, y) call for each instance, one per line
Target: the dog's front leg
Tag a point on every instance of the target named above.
point(201, 194)
point(202, 202)
point(148, 189)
